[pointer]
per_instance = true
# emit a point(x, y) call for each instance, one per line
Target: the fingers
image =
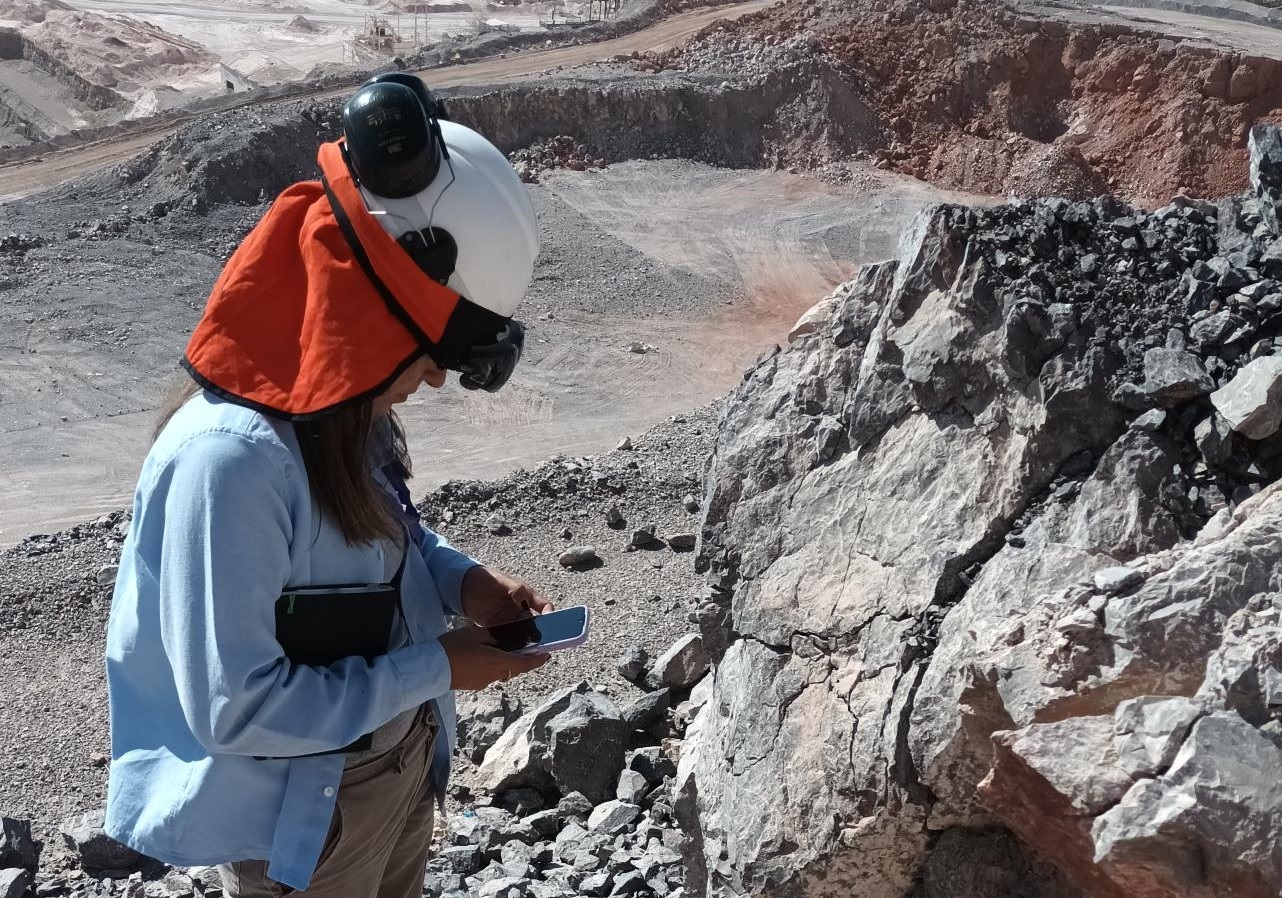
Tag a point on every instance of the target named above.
point(528, 663)
point(517, 663)
point(528, 597)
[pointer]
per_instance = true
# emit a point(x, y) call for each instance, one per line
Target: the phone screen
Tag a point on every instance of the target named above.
point(555, 626)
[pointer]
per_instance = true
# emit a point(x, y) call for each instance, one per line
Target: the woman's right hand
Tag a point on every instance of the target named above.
point(475, 663)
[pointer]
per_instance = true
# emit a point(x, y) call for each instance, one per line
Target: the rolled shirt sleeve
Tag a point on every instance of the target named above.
point(448, 566)
point(225, 560)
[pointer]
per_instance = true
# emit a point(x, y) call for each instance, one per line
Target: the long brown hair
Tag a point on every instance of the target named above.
point(335, 451)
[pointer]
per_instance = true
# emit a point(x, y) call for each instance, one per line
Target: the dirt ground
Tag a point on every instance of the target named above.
point(708, 266)
point(1199, 30)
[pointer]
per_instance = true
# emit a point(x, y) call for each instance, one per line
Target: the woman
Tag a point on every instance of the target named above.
point(279, 664)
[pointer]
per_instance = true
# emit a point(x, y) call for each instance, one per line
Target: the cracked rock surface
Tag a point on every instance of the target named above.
point(906, 514)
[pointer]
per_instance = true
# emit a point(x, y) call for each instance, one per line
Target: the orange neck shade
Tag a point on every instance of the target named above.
point(294, 327)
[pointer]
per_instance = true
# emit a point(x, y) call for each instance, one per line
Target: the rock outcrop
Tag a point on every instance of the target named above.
point(994, 589)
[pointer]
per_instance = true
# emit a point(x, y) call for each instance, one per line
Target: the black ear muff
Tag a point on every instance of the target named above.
point(435, 252)
point(391, 145)
point(433, 107)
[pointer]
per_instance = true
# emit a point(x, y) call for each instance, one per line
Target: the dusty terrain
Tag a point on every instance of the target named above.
point(84, 369)
point(700, 265)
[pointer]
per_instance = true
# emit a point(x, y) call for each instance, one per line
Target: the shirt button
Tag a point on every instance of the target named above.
point(329, 791)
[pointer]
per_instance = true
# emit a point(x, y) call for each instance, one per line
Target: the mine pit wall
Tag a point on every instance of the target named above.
point(13, 46)
point(1105, 108)
point(27, 121)
point(633, 118)
point(1232, 10)
point(639, 118)
point(95, 96)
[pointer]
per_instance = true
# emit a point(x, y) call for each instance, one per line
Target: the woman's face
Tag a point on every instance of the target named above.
point(422, 371)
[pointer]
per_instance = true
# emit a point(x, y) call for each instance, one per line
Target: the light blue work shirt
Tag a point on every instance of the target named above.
point(223, 522)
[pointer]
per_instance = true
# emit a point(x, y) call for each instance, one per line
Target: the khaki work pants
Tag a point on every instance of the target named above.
point(379, 836)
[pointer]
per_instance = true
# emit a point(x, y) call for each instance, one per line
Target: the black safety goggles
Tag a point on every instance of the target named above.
point(488, 367)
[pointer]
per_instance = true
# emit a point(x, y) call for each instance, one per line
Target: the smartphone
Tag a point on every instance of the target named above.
point(551, 632)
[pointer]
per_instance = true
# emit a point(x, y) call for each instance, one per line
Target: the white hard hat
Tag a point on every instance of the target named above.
point(477, 197)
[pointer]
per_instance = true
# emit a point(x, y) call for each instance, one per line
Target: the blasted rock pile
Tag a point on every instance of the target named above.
point(1188, 297)
point(554, 153)
point(993, 593)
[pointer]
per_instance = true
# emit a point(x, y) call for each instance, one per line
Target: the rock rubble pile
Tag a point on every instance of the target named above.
point(557, 152)
point(575, 799)
point(575, 796)
point(993, 592)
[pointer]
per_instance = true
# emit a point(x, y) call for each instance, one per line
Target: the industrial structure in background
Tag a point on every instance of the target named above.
point(597, 11)
point(401, 28)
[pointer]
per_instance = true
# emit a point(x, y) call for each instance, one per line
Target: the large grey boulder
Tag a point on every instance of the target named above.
point(909, 643)
point(574, 742)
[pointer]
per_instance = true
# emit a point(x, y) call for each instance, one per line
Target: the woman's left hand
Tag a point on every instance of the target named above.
point(492, 597)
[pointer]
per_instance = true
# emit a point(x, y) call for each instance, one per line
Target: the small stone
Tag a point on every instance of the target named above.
point(597, 885)
point(642, 538)
point(575, 804)
point(1214, 439)
point(1113, 580)
point(496, 525)
point(613, 517)
point(98, 759)
point(632, 787)
point(579, 556)
point(690, 502)
point(545, 823)
point(504, 887)
point(1212, 330)
point(1172, 376)
point(613, 817)
point(625, 445)
point(633, 664)
point(681, 666)
point(629, 883)
point(681, 542)
point(98, 851)
point(652, 763)
point(463, 859)
point(647, 710)
point(106, 575)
